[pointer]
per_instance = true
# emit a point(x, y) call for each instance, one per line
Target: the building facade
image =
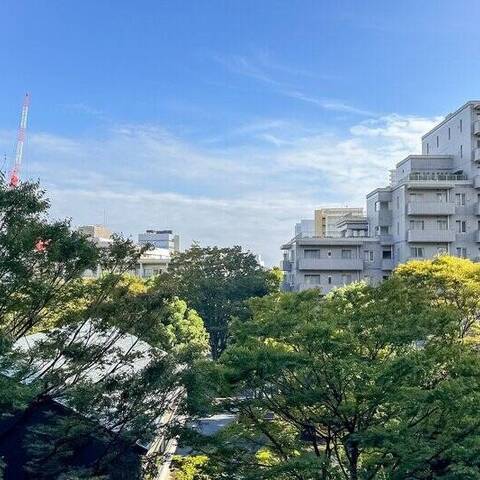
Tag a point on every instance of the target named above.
point(325, 222)
point(160, 239)
point(431, 207)
point(151, 263)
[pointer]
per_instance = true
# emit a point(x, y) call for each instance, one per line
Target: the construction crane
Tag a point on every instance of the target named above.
point(15, 173)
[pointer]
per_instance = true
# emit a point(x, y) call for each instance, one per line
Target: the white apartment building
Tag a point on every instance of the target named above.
point(150, 263)
point(160, 239)
point(432, 206)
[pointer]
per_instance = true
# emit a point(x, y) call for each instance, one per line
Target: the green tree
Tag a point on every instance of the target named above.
point(117, 394)
point(448, 280)
point(365, 383)
point(216, 282)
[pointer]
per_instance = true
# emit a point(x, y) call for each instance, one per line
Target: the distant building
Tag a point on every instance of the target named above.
point(100, 234)
point(326, 220)
point(160, 239)
point(152, 262)
point(305, 228)
point(430, 207)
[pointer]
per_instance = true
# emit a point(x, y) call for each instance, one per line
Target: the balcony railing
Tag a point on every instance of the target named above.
point(431, 208)
point(435, 177)
point(431, 236)
point(476, 154)
point(387, 263)
point(330, 264)
point(286, 265)
point(476, 127)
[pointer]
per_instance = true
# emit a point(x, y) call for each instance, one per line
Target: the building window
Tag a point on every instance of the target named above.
point(398, 202)
point(459, 199)
point(449, 134)
point(369, 255)
point(346, 254)
point(442, 250)
point(442, 224)
point(417, 252)
point(311, 254)
point(441, 197)
point(428, 148)
point(437, 141)
point(461, 252)
point(461, 151)
point(329, 280)
point(383, 230)
point(346, 278)
point(417, 225)
point(461, 125)
point(398, 228)
point(381, 206)
point(386, 254)
point(312, 279)
point(416, 197)
point(461, 226)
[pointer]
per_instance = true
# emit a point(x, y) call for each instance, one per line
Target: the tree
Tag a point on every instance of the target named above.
point(448, 280)
point(365, 383)
point(216, 282)
point(112, 386)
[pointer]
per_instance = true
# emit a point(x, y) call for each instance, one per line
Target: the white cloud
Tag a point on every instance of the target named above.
point(249, 194)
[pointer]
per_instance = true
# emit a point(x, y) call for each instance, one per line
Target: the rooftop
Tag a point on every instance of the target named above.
point(470, 103)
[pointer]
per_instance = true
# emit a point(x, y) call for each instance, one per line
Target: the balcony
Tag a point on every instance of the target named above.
point(286, 265)
point(386, 239)
point(383, 217)
point(324, 289)
point(476, 181)
point(387, 264)
point(430, 208)
point(476, 127)
point(434, 180)
point(476, 154)
point(431, 236)
point(330, 264)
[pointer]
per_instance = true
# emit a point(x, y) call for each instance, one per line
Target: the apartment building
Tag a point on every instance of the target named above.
point(152, 262)
point(325, 220)
point(160, 239)
point(430, 207)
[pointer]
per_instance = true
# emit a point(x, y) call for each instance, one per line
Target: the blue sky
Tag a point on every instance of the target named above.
point(227, 120)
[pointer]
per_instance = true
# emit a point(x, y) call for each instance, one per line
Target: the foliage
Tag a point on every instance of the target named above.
point(189, 468)
point(113, 394)
point(448, 280)
point(365, 383)
point(216, 282)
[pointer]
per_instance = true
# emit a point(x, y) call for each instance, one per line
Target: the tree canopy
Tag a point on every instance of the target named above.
point(111, 351)
point(217, 282)
point(369, 382)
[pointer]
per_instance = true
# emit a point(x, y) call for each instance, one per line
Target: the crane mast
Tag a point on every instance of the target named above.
point(15, 173)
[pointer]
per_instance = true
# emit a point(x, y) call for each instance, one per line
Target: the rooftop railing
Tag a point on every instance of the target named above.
point(434, 177)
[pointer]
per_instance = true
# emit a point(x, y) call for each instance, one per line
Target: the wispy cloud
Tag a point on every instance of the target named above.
point(263, 70)
point(246, 193)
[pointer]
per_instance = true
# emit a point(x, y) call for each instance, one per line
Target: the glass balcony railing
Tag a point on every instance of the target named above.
point(435, 177)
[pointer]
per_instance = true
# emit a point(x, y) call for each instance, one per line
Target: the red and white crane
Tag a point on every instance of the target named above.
point(15, 173)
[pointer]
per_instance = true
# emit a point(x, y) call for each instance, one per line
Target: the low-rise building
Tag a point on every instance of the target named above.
point(430, 207)
point(165, 239)
point(151, 262)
